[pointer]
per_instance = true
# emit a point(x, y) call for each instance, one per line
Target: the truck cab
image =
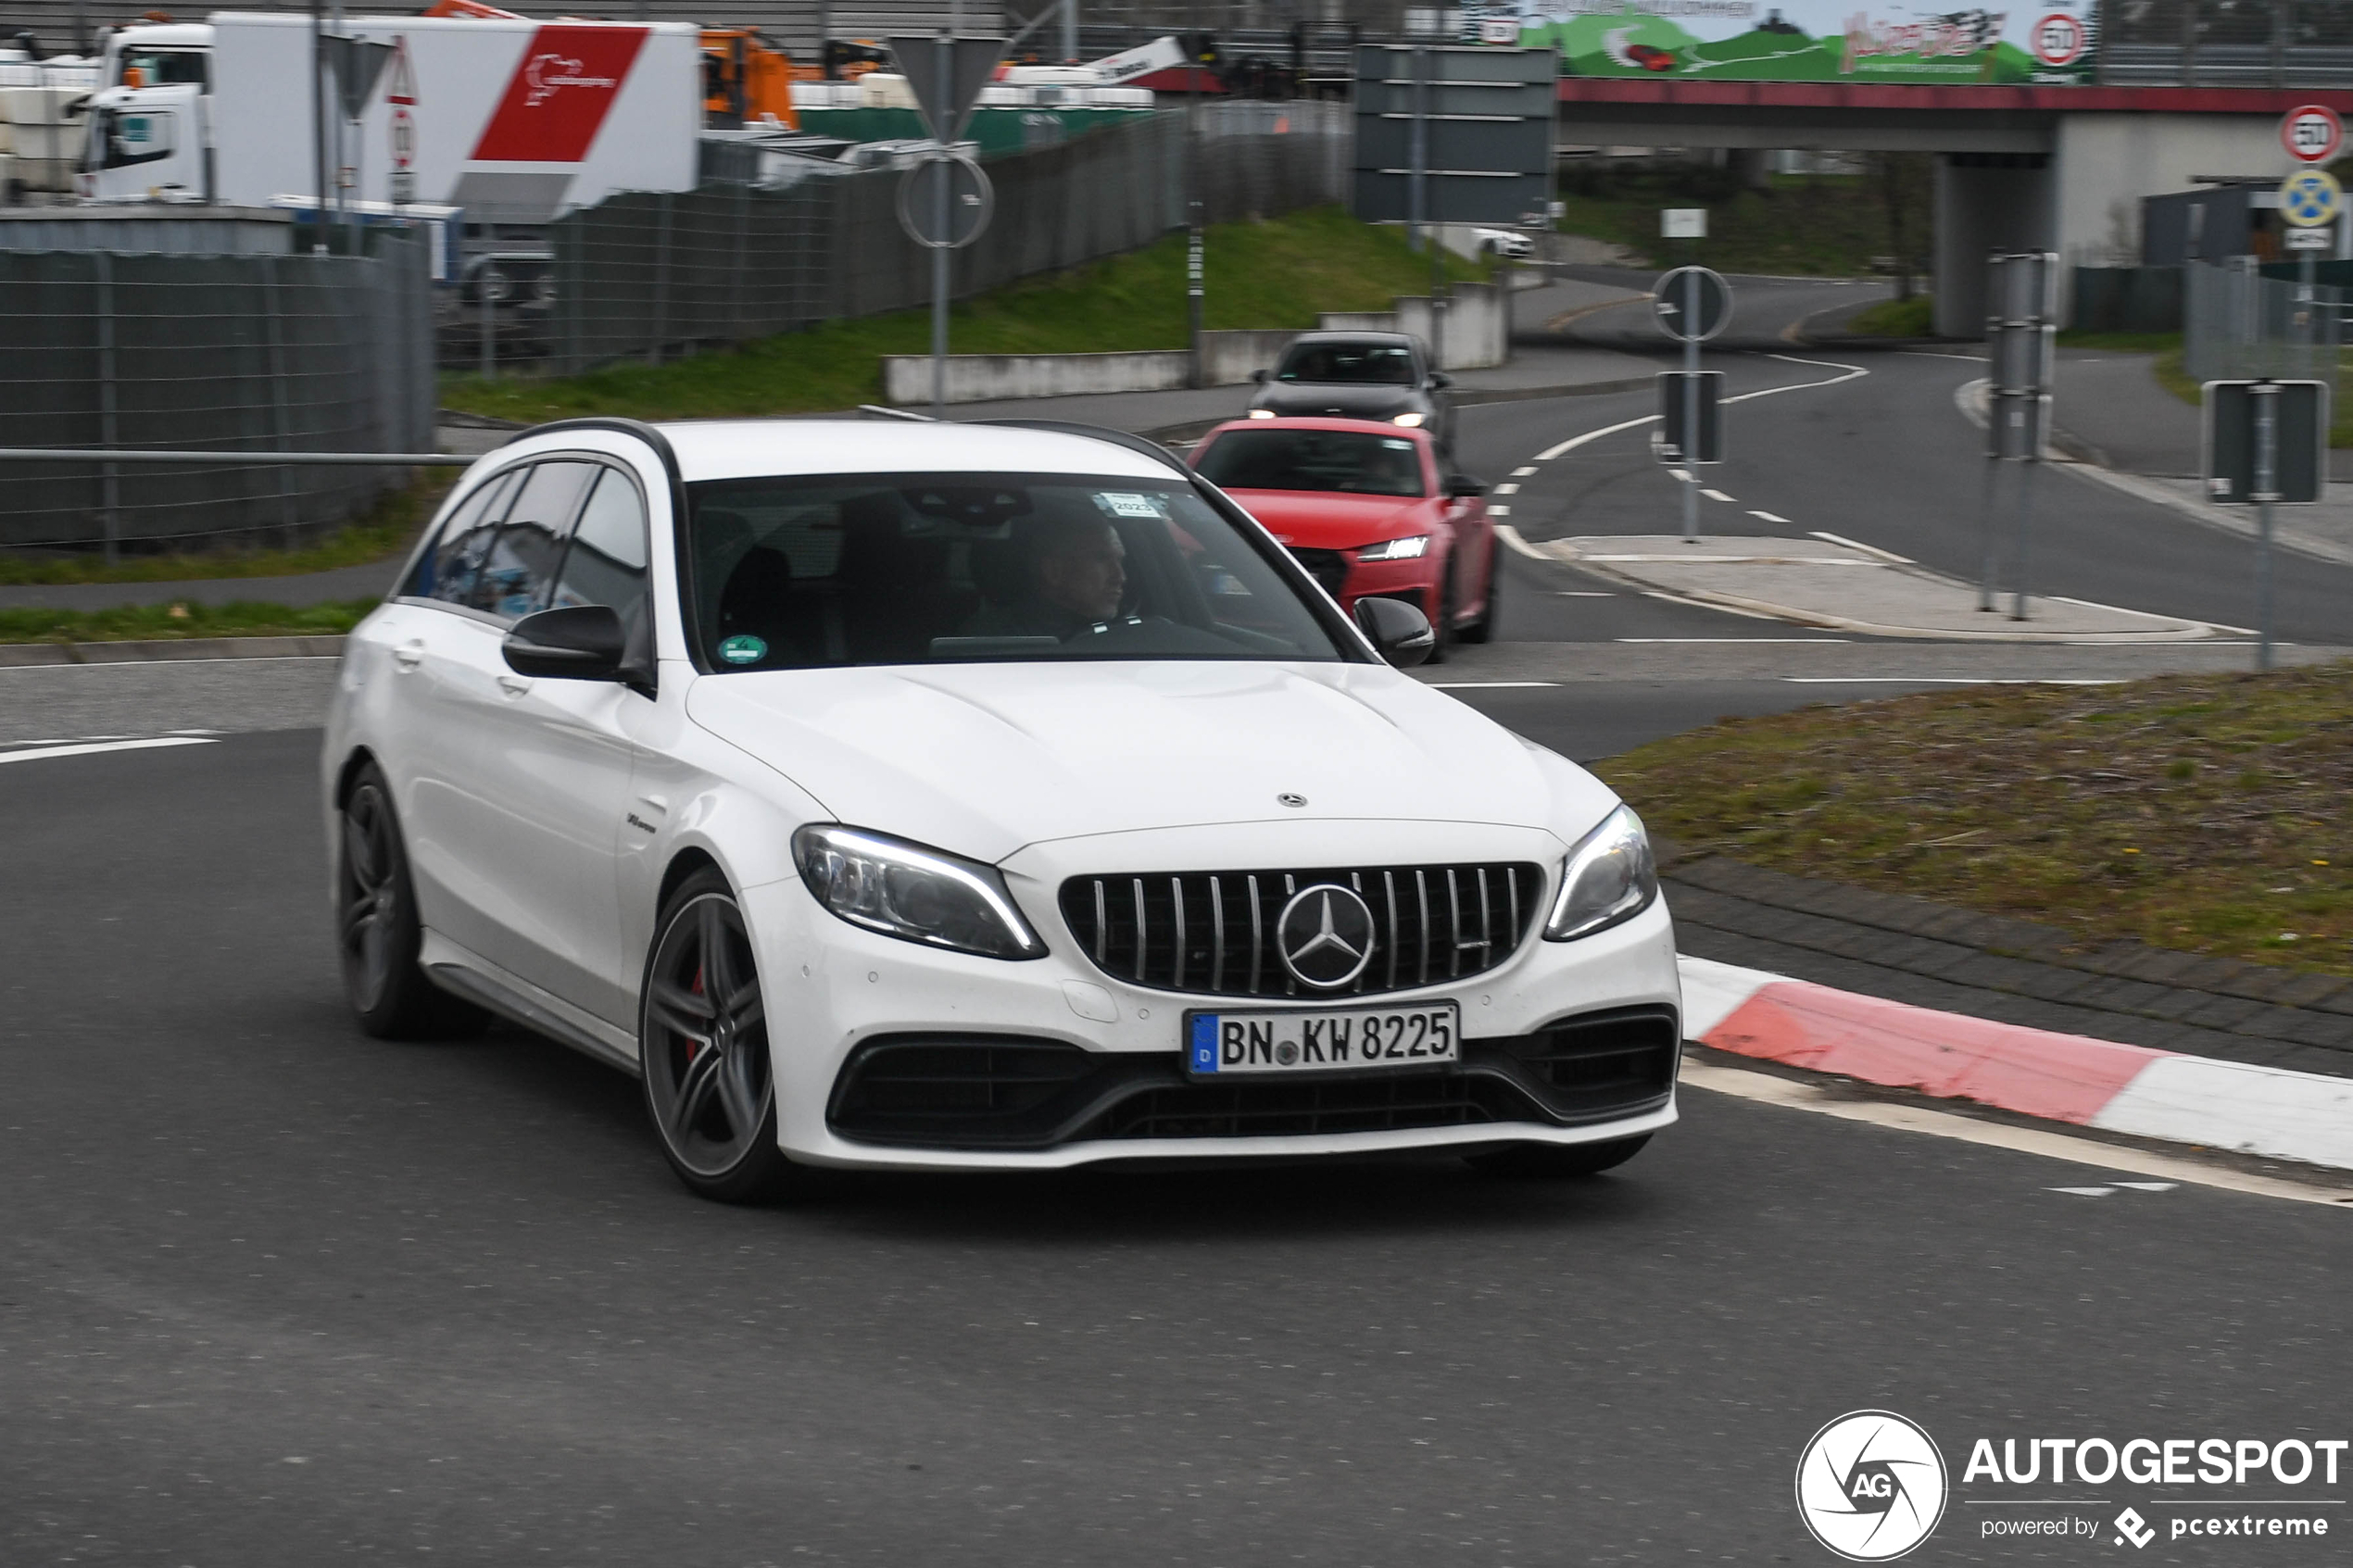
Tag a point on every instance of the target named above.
point(150, 135)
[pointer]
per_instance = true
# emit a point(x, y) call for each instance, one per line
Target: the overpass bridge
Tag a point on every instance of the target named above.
point(2019, 168)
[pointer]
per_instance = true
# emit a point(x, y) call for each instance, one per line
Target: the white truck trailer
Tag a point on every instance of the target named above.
point(515, 121)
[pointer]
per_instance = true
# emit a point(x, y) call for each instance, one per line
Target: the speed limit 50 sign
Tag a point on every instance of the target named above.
point(2059, 40)
point(2312, 133)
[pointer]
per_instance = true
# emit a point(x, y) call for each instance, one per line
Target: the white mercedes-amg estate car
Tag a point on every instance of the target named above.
point(953, 796)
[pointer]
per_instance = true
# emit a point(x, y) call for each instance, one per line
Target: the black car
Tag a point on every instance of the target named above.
point(1359, 376)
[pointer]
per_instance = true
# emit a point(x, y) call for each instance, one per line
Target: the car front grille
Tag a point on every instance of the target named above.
point(1329, 568)
point(984, 1092)
point(1212, 933)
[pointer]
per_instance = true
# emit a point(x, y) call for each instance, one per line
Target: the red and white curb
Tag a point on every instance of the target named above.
point(2099, 1084)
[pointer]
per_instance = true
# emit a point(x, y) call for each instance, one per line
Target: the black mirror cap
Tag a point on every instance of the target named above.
point(1439, 380)
point(1261, 374)
point(1462, 486)
point(1398, 632)
point(580, 643)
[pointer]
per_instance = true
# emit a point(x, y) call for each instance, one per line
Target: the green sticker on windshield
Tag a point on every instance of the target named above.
point(743, 650)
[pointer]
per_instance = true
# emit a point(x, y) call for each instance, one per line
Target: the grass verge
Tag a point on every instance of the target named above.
point(1915, 317)
point(1278, 273)
point(385, 530)
point(154, 623)
point(2207, 813)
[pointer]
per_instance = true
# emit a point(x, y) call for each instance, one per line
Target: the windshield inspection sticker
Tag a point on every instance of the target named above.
point(743, 650)
point(1127, 503)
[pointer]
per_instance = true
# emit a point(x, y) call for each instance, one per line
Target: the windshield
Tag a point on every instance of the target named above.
point(164, 67)
point(1353, 462)
point(804, 572)
point(1377, 364)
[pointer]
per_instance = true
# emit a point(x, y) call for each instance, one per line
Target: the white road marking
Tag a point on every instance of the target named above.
point(1510, 536)
point(87, 749)
point(1717, 495)
point(1499, 511)
point(1507, 490)
point(1574, 442)
point(2084, 1192)
point(1739, 640)
point(1684, 474)
point(1948, 680)
point(1583, 593)
point(1522, 473)
point(1859, 544)
point(1771, 1090)
point(2094, 604)
point(1932, 353)
point(2149, 1187)
point(1483, 686)
point(1768, 516)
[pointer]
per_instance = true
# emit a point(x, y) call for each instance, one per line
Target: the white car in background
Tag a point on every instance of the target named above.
point(951, 796)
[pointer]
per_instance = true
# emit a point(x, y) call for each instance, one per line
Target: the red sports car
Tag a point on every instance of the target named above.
point(1369, 512)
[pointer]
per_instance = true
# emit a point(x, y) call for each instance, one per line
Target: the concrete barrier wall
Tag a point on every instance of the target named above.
point(1228, 358)
point(984, 378)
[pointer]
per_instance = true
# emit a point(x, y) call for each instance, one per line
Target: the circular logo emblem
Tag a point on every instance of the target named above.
point(1325, 936)
point(2058, 40)
point(1870, 1486)
point(1287, 798)
point(743, 650)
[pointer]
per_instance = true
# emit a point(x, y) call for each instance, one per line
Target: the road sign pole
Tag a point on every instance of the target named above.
point(1195, 303)
point(944, 55)
point(2267, 468)
point(1692, 448)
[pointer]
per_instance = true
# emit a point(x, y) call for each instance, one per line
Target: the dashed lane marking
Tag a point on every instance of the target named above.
point(1507, 490)
point(1499, 511)
point(32, 754)
point(1828, 536)
point(1800, 640)
point(1522, 473)
point(1768, 516)
point(1718, 496)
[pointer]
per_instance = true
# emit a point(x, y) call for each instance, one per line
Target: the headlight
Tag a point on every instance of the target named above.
point(1413, 545)
point(1608, 877)
point(914, 894)
point(1411, 421)
point(1261, 413)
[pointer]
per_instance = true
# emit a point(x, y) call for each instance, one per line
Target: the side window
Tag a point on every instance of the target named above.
point(448, 570)
point(607, 562)
point(521, 568)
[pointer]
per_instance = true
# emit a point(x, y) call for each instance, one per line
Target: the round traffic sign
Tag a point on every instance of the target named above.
point(2310, 197)
point(2059, 40)
point(949, 224)
point(2312, 133)
point(1694, 304)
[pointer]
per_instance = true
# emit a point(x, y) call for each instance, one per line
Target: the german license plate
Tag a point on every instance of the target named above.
point(1225, 1043)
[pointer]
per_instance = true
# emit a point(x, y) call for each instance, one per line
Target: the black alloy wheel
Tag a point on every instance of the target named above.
point(377, 932)
point(1555, 1159)
point(703, 1047)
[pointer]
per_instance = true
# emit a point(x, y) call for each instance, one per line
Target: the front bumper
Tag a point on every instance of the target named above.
point(842, 997)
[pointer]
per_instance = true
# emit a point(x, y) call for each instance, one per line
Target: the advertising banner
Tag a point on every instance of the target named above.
point(2047, 43)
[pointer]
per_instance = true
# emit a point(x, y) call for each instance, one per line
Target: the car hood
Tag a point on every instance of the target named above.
point(984, 758)
point(1348, 400)
point(1333, 520)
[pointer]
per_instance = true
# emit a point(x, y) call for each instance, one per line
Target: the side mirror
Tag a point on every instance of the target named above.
point(1439, 380)
point(582, 643)
point(1398, 632)
point(1462, 486)
point(1261, 374)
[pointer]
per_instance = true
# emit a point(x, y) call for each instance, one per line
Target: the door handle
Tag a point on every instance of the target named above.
point(514, 685)
point(408, 655)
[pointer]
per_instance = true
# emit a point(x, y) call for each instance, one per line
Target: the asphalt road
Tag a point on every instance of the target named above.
point(278, 1294)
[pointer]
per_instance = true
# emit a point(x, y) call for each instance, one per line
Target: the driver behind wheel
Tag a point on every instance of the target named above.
point(1072, 575)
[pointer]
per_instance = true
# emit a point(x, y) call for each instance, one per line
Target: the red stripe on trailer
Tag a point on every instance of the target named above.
point(560, 95)
point(2034, 1071)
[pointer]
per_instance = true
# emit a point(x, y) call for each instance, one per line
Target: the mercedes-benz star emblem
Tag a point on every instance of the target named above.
point(1325, 936)
point(1287, 798)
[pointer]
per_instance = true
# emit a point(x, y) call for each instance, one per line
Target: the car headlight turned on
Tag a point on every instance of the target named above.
point(1609, 877)
point(1408, 548)
point(1411, 421)
point(1263, 414)
point(914, 894)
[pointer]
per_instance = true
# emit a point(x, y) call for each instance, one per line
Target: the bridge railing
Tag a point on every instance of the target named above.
point(2226, 65)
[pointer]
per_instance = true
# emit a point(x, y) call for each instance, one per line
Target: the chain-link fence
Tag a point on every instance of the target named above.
point(2236, 323)
point(207, 353)
point(654, 277)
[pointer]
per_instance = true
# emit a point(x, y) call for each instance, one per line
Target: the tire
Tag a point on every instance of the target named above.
point(1555, 1159)
point(1441, 629)
point(377, 932)
point(1485, 631)
point(708, 1081)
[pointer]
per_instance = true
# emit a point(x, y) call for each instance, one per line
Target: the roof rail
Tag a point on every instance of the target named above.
point(1135, 444)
